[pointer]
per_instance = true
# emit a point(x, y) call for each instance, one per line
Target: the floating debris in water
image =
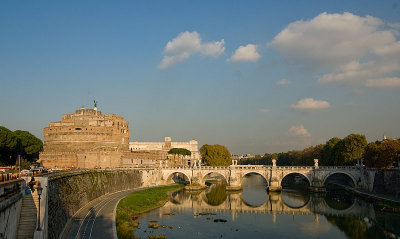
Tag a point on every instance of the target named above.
point(169, 214)
point(220, 220)
point(162, 236)
point(154, 226)
point(153, 220)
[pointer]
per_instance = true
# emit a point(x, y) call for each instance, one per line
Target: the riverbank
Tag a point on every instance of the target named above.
point(139, 202)
point(385, 202)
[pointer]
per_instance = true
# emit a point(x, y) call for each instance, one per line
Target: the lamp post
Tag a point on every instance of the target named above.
point(39, 192)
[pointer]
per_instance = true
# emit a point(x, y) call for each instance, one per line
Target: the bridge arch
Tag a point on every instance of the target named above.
point(171, 175)
point(206, 175)
point(294, 173)
point(353, 180)
point(254, 189)
point(253, 172)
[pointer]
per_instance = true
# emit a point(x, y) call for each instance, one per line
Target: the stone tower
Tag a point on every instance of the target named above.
point(85, 139)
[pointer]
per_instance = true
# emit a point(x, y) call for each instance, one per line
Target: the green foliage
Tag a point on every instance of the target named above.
point(382, 154)
point(303, 157)
point(31, 146)
point(17, 143)
point(328, 156)
point(215, 155)
point(139, 202)
point(180, 151)
point(334, 152)
point(350, 149)
point(217, 194)
point(7, 141)
point(258, 160)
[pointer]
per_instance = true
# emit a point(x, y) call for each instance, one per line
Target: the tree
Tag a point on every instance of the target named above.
point(17, 143)
point(215, 155)
point(284, 159)
point(382, 154)
point(31, 146)
point(327, 154)
point(6, 139)
point(350, 149)
point(179, 151)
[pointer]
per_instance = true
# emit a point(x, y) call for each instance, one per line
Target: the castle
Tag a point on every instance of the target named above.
point(89, 139)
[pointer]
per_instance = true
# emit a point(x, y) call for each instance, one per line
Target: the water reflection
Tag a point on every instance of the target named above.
point(254, 191)
point(295, 199)
point(257, 214)
point(216, 194)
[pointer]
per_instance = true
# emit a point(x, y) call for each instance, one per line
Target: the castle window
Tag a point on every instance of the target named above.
point(78, 128)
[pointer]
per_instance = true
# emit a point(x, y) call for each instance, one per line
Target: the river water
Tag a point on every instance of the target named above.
point(254, 213)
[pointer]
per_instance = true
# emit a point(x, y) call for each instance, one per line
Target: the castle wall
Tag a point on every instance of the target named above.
point(85, 139)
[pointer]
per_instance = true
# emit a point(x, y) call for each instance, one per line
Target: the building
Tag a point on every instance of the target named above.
point(89, 139)
point(85, 139)
point(156, 152)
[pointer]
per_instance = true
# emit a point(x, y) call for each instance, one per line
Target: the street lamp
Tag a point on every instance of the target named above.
point(39, 192)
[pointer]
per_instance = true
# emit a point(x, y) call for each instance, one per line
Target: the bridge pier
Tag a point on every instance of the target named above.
point(317, 182)
point(274, 185)
point(317, 189)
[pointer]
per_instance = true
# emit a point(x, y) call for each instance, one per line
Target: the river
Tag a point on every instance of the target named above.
point(254, 213)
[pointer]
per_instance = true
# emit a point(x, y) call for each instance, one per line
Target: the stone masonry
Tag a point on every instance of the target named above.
point(85, 139)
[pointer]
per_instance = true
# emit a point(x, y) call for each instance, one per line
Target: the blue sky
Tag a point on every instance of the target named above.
point(256, 76)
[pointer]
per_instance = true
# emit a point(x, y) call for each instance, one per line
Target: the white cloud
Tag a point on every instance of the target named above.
point(393, 82)
point(186, 44)
point(283, 82)
point(298, 131)
point(215, 48)
point(389, 50)
point(264, 110)
point(349, 49)
point(245, 53)
point(358, 73)
point(311, 104)
point(332, 38)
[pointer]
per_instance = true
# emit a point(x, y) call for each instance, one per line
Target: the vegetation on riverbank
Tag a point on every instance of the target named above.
point(130, 207)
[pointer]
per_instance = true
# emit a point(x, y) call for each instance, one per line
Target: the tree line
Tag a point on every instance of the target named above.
point(18, 142)
point(337, 152)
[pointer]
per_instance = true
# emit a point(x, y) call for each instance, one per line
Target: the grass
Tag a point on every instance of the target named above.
point(130, 207)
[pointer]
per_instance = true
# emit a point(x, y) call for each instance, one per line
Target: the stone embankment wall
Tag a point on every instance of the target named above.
point(10, 207)
point(67, 193)
point(387, 182)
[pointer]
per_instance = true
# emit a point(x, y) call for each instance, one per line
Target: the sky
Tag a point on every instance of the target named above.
point(256, 76)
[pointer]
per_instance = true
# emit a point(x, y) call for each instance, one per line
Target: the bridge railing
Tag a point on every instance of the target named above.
point(340, 167)
point(262, 167)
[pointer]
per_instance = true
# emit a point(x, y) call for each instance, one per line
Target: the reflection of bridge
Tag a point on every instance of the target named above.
point(277, 203)
point(274, 175)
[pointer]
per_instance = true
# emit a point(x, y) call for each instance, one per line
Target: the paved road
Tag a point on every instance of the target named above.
point(96, 220)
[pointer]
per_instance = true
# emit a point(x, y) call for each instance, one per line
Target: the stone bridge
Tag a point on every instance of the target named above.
point(274, 175)
point(276, 203)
